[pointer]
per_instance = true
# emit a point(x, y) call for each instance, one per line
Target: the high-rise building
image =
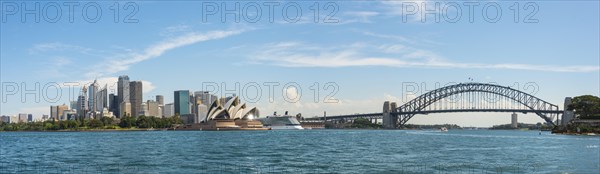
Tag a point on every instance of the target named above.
point(135, 97)
point(113, 104)
point(202, 112)
point(82, 104)
point(125, 109)
point(202, 98)
point(5, 119)
point(73, 105)
point(514, 123)
point(122, 92)
point(22, 118)
point(101, 100)
point(14, 119)
point(29, 117)
point(182, 102)
point(160, 100)
point(92, 96)
point(168, 110)
point(152, 108)
point(60, 109)
point(144, 109)
point(54, 112)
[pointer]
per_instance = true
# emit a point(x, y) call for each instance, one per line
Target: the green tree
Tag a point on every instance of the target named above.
point(585, 106)
point(72, 124)
point(96, 123)
point(364, 123)
point(127, 122)
point(107, 121)
point(142, 122)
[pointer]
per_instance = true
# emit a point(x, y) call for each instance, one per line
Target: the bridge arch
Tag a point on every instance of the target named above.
point(400, 115)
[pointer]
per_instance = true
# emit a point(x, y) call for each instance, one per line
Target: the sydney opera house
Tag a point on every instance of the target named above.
point(232, 115)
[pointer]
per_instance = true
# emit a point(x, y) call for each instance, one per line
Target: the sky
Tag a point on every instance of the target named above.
point(309, 57)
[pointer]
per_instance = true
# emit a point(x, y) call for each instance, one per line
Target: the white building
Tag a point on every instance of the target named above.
point(169, 110)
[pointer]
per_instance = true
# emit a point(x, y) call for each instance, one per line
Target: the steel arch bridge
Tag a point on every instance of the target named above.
point(432, 102)
point(529, 103)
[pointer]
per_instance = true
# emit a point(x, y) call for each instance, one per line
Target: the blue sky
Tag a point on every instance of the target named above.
point(369, 53)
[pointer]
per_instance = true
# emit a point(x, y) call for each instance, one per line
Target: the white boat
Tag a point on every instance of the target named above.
point(444, 129)
point(285, 122)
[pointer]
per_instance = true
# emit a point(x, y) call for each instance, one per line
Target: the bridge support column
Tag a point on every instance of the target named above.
point(389, 120)
point(567, 116)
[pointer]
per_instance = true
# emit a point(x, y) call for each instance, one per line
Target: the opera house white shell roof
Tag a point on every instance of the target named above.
point(231, 110)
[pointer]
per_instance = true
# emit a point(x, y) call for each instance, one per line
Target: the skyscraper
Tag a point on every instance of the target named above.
point(168, 110)
point(22, 118)
point(160, 100)
point(125, 109)
point(122, 93)
point(152, 108)
point(54, 112)
point(92, 96)
point(101, 100)
point(73, 104)
point(113, 104)
point(82, 106)
point(205, 97)
point(135, 97)
point(60, 109)
point(182, 102)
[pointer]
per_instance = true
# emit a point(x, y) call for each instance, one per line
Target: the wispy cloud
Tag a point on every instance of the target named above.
point(294, 54)
point(65, 48)
point(124, 61)
point(358, 17)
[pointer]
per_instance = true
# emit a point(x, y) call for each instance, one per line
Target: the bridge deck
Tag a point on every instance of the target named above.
point(377, 115)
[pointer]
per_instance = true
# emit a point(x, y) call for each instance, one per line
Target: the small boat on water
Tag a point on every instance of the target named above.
point(444, 129)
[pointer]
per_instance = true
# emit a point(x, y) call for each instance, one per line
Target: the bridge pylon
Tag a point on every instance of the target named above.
point(390, 119)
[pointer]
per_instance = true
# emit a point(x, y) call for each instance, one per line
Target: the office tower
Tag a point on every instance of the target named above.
point(513, 121)
point(160, 111)
point(152, 108)
point(182, 102)
point(168, 110)
point(135, 97)
point(101, 100)
point(73, 105)
point(22, 118)
point(122, 93)
point(29, 118)
point(5, 119)
point(202, 112)
point(60, 109)
point(113, 104)
point(92, 96)
point(54, 112)
point(160, 100)
point(125, 109)
point(81, 105)
point(144, 109)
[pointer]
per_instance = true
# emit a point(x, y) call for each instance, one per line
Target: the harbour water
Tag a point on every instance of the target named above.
point(305, 151)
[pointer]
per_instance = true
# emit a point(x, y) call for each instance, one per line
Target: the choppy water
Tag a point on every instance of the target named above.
point(308, 151)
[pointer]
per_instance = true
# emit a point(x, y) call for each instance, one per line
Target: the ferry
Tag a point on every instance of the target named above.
point(444, 129)
point(284, 122)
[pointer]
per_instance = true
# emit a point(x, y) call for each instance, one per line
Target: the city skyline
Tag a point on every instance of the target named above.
point(557, 53)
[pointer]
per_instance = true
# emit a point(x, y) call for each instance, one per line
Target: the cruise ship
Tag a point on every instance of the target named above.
point(284, 122)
